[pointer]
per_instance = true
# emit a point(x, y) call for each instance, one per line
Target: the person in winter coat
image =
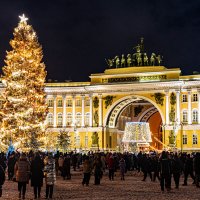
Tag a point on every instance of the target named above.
point(188, 169)
point(122, 167)
point(155, 168)
point(50, 175)
point(111, 167)
point(97, 170)
point(22, 174)
point(2, 179)
point(197, 169)
point(86, 171)
point(176, 169)
point(146, 166)
point(60, 164)
point(165, 171)
point(11, 166)
point(37, 166)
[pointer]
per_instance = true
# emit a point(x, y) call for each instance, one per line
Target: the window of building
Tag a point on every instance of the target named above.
point(50, 119)
point(184, 98)
point(194, 97)
point(78, 102)
point(185, 116)
point(184, 139)
point(60, 119)
point(87, 102)
point(60, 103)
point(69, 119)
point(86, 141)
point(69, 103)
point(50, 103)
point(87, 119)
point(78, 119)
point(194, 116)
point(194, 139)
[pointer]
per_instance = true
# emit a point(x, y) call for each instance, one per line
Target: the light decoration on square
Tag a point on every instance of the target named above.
point(24, 111)
point(137, 132)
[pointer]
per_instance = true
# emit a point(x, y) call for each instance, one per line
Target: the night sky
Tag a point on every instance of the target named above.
point(77, 35)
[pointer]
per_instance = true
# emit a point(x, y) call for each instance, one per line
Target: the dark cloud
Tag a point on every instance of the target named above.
point(77, 35)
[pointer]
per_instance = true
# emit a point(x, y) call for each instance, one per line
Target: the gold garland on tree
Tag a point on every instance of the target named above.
point(25, 110)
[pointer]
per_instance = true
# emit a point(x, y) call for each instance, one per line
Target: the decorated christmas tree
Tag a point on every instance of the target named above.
point(63, 140)
point(24, 111)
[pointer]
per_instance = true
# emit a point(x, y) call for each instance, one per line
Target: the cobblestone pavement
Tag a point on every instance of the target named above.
point(131, 188)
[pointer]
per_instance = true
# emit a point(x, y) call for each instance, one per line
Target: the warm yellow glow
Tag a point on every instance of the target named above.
point(23, 18)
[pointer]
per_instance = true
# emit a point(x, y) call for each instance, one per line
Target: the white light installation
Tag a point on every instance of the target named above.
point(137, 132)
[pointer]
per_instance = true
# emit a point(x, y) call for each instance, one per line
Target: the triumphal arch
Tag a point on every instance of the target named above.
point(134, 88)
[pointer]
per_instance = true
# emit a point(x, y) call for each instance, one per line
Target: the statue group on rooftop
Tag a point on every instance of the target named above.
point(139, 58)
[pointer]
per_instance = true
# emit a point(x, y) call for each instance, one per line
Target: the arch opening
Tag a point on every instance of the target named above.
point(135, 109)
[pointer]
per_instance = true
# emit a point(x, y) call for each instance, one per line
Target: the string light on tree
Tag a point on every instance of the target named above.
point(24, 111)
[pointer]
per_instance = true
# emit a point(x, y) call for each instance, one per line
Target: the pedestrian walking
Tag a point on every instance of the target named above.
point(37, 167)
point(2, 179)
point(197, 169)
point(22, 174)
point(122, 167)
point(188, 169)
point(176, 169)
point(97, 170)
point(11, 166)
point(86, 171)
point(111, 167)
point(50, 175)
point(165, 171)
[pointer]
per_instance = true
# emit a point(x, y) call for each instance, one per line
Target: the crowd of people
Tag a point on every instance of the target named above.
point(36, 167)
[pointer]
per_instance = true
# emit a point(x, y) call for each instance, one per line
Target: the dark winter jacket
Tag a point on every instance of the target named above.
point(165, 166)
point(197, 164)
point(37, 174)
point(2, 175)
point(176, 165)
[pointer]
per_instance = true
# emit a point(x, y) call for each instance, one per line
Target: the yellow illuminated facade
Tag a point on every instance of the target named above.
point(102, 107)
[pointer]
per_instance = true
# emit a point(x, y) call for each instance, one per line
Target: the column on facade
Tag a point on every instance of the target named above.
point(83, 111)
point(64, 110)
point(167, 107)
point(189, 108)
point(198, 92)
point(91, 111)
point(100, 110)
point(54, 110)
point(73, 110)
point(178, 106)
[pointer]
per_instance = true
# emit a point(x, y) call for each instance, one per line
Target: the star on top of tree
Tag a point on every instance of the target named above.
point(23, 18)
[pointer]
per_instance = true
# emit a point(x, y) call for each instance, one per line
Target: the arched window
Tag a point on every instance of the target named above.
point(50, 119)
point(194, 116)
point(60, 119)
point(69, 119)
point(78, 119)
point(185, 116)
point(87, 119)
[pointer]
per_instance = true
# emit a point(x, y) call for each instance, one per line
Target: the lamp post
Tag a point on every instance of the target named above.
point(181, 137)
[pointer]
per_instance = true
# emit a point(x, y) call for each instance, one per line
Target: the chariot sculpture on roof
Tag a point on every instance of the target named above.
point(138, 58)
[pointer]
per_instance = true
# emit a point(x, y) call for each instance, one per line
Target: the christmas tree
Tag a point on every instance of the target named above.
point(24, 111)
point(63, 140)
